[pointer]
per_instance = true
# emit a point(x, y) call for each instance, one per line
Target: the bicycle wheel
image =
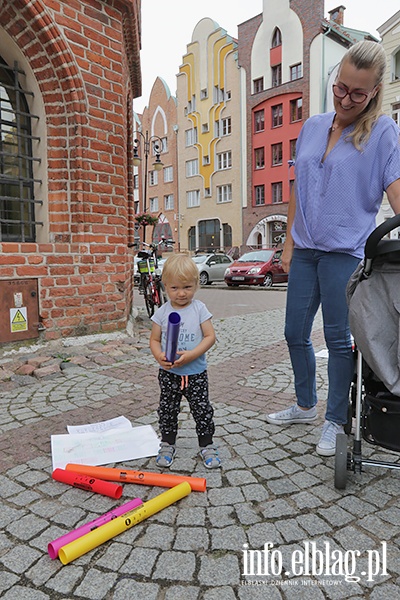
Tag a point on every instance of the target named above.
point(148, 299)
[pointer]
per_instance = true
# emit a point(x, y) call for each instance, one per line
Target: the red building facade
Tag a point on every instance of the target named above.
point(275, 113)
point(286, 55)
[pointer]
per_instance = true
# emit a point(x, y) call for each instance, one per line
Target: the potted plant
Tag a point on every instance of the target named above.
point(146, 219)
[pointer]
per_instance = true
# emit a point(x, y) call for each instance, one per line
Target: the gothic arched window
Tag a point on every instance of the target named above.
point(276, 38)
point(17, 203)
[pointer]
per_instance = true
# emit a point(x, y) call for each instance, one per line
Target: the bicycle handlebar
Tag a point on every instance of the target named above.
point(153, 245)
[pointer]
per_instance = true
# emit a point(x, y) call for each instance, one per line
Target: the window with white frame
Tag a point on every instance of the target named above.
point(225, 126)
point(277, 192)
point(276, 150)
point(258, 85)
point(193, 198)
point(153, 177)
point(259, 158)
point(224, 193)
point(293, 149)
point(296, 110)
point(191, 107)
point(203, 94)
point(168, 174)
point(169, 202)
point(259, 195)
point(276, 73)
point(277, 115)
point(191, 136)
point(295, 72)
point(224, 160)
point(206, 160)
point(218, 95)
point(192, 167)
point(204, 128)
point(154, 204)
point(259, 120)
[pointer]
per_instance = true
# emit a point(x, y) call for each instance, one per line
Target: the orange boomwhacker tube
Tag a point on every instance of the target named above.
point(198, 484)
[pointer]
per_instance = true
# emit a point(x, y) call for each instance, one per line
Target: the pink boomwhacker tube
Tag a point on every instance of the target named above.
point(54, 546)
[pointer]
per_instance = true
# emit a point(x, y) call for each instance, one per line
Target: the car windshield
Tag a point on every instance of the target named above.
point(199, 259)
point(258, 256)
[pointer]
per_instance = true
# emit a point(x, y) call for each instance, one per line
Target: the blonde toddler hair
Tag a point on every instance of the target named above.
point(181, 267)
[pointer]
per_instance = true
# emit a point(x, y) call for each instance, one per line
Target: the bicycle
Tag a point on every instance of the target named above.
point(150, 284)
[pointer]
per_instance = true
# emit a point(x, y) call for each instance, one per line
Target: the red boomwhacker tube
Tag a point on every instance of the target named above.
point(87, 482)
point(198, 484)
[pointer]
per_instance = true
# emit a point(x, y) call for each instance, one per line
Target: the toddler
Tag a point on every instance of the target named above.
point(187, 375)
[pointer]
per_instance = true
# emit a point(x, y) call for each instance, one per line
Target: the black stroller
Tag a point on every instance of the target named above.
point(373, 295)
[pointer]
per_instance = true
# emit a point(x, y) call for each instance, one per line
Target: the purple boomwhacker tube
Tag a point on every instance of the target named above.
point(54, 546)
point(171, 346)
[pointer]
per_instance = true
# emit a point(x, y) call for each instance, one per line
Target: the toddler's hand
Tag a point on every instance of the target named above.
point(164, 363)
point(184, 357)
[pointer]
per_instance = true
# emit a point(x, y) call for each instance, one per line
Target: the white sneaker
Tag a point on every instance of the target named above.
point(294, 414)
point(327, 443)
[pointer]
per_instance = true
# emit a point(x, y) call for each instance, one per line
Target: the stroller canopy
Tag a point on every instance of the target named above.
point(374, 315)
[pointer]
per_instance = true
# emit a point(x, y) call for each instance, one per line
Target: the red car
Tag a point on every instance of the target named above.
point(260, 267)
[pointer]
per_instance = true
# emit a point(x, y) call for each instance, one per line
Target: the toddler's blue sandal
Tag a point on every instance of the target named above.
point(210, 457)
point(165, 456)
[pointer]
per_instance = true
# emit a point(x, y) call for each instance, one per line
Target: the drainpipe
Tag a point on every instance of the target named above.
point(323, 91)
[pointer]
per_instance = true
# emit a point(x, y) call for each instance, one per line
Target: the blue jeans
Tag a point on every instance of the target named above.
point(320, 278)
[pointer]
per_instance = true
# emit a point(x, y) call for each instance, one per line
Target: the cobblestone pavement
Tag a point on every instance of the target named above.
point(273, 488)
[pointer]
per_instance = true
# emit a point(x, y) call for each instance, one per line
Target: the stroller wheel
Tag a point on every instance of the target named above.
point(341, 461)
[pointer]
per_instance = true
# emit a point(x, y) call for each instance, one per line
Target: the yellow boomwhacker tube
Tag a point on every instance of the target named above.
point(102, 534)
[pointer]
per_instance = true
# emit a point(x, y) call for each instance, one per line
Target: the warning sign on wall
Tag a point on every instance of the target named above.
point(18, 319)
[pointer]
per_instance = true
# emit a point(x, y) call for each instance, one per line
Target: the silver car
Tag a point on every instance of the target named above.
point(212, 267)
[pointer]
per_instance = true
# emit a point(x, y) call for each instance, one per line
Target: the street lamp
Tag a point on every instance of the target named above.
point(291, 163)
point(147, 142)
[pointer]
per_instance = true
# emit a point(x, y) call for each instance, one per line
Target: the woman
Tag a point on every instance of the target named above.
point(344, 162)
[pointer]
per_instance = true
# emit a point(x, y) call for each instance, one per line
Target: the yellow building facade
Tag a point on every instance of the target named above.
point(210, 142)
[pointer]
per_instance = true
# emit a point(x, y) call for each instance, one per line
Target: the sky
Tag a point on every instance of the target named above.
point(167, 27)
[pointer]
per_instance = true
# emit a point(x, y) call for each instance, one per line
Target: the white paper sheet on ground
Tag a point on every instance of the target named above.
point(116, 423)
point(115, 445)
point(324, 353)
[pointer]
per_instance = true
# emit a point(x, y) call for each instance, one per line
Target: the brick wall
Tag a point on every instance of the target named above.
point(78, 53)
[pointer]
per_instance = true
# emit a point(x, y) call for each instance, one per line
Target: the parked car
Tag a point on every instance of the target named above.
point(259, 267)
point(212, 267)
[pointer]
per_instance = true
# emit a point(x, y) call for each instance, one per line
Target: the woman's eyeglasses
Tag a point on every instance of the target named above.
point(341, 91)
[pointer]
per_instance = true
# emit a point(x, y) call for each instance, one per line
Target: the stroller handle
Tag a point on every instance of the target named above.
point(378, 233)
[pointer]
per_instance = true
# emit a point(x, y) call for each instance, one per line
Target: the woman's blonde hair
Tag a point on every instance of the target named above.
point(370, 56)
point(181, 267)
